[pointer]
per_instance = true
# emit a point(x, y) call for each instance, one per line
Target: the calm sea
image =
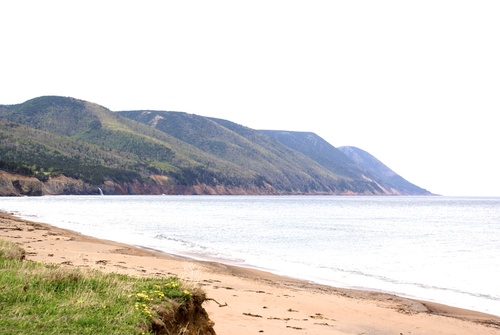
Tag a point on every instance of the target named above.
point(443, 249)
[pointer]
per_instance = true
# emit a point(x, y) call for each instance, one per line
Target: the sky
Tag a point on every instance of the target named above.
point(414, 83)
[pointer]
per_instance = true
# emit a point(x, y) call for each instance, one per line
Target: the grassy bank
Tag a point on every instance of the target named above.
point(37, 298)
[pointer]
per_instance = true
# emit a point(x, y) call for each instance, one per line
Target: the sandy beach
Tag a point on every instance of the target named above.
point(248, 301)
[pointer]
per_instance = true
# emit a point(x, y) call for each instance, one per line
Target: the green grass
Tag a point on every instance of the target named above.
point(37, 298)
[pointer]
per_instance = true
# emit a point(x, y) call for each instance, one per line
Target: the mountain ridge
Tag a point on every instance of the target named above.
point(163, 152)
point(376, 168)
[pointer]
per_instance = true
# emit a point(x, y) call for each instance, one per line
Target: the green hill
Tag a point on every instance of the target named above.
point(347, 161)
point(252, 152)
point(381, 172)
point(155, 152)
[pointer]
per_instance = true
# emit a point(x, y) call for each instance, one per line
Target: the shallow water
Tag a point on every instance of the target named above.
point(443, 249)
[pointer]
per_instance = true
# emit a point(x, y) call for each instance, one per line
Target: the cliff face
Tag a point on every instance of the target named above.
point(18, 185)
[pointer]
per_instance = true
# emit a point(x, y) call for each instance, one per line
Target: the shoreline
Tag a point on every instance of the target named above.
point(258, 301)
point(342, 286)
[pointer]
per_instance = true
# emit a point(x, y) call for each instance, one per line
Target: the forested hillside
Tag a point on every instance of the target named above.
point(382, 172)
point(349, 161)
point(155, 152)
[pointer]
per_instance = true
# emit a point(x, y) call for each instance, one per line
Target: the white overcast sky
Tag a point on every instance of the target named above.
point(415, 83)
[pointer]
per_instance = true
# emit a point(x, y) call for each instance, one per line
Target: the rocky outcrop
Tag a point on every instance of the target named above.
point(15, 185)
point(12, 184)
point(19, 185)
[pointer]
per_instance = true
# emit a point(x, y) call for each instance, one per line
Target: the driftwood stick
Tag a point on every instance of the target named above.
point(218, 303)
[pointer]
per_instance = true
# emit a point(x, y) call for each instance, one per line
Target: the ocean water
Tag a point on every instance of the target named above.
point(442, 249)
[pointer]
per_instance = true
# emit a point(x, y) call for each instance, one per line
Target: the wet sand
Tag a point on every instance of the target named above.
point(249, 301)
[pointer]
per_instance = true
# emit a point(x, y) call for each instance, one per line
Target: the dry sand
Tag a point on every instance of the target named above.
point(257, 302)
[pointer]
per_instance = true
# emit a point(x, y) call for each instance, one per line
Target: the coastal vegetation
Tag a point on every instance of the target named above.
point(37, 298)
point(155, 152)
